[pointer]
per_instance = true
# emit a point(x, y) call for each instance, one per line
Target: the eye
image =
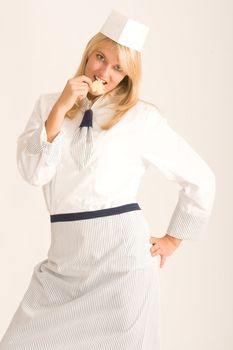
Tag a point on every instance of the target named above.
point(99, 56)
point(118, 68)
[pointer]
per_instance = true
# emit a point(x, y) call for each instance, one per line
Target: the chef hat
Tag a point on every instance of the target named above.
point(125, 31)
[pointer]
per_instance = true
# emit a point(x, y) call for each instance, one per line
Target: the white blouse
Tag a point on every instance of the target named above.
point(120, 158)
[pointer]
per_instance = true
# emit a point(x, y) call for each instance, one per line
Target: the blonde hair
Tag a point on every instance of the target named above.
point(127, 91)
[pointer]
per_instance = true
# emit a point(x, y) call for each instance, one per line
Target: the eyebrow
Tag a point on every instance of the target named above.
point(118, 64)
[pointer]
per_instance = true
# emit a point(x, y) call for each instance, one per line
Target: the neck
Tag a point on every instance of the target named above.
point(91, 97)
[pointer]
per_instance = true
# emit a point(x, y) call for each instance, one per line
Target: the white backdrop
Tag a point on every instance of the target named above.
point(188, 74)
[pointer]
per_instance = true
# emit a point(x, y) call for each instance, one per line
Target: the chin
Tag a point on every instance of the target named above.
point(92, 95)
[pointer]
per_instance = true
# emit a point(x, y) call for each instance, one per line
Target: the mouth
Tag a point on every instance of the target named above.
point(102, 81)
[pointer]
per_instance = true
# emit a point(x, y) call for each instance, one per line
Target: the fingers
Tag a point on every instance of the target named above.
point(80, 84)
point(162, 260)
point(82, 91)
point(155, 249)
point(155, 243)
point(154, 240)
point(79, 87)
point(162, 246)
point(82, 79)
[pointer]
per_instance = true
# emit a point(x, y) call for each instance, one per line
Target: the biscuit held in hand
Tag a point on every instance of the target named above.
point(97, 86)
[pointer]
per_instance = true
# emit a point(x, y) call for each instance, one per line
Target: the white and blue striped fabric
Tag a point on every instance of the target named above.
point(98, 288)
point(82, 145)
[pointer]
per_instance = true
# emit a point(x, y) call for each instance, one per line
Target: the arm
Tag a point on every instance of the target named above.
point(179, 162)
point(38, 154)
point(174, 240)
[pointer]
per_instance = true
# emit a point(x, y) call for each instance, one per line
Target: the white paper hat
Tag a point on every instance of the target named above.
point(125, 31)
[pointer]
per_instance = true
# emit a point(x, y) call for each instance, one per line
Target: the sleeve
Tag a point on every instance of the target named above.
point(164, 148)
point(37, 158)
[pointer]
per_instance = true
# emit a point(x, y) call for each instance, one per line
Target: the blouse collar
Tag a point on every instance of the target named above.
point(99, 101)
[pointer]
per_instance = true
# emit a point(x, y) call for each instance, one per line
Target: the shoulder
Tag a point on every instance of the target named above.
point(148, 106)
point(44, 103)
point(147, 113)
point(145, 107)
point(48, 98)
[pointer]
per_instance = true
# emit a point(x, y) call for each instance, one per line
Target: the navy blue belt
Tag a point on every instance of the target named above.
point(94, 213)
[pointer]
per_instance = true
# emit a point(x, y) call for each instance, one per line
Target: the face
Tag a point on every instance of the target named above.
point(103, 63)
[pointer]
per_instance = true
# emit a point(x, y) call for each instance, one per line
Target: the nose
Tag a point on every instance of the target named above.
point(105, 72)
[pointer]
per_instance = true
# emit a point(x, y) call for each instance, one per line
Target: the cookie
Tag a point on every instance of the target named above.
point(97, 86)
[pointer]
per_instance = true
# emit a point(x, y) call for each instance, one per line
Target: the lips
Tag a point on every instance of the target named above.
point(99, 79)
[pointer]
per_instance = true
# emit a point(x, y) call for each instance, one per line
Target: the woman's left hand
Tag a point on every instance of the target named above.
point(164, 246)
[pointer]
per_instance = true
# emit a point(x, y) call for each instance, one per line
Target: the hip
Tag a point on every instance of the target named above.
point(115, 239)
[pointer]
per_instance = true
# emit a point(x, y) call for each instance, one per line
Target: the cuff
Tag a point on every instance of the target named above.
point(51, 150)
point(186, 225)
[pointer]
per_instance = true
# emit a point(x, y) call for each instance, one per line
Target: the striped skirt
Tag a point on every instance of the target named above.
point(98, 288)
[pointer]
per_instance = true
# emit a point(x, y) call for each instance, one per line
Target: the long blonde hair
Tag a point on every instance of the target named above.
point(127, 91)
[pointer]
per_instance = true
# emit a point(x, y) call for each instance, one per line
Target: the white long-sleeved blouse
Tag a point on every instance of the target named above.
point(120, 158)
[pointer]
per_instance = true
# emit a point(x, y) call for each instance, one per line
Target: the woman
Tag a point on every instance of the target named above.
point(99, 285)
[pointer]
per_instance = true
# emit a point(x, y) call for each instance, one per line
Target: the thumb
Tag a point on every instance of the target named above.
point(162, 260)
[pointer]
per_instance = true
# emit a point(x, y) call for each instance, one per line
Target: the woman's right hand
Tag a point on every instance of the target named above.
point(76, 88)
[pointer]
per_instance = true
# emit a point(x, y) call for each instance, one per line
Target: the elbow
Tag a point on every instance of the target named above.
point(210, 188)
point(34, 170)
point(35, 176)
point(204, 192)
point(34, 180)
point(212, 182)
point(29, 178)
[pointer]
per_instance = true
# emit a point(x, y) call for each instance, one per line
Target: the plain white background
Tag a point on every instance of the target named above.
point(188, 74)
